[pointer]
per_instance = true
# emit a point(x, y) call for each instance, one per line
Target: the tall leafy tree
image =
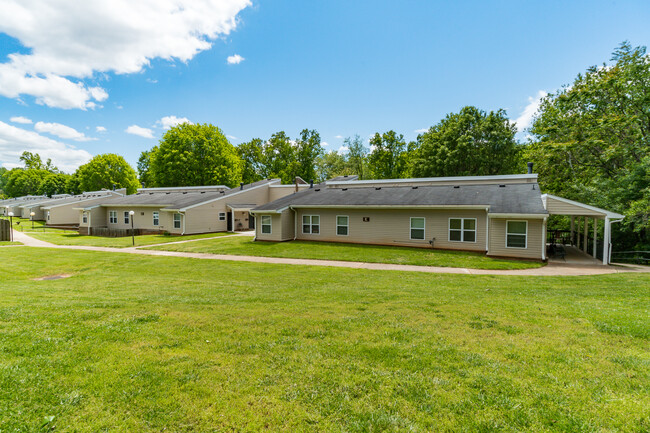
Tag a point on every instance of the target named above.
point(54, 183)
point(34, 161)
point(194, 155)
point(107, 171)
point(591, 141)
point(251, 154)
point(22, 182)
point(387, 159)
point(308, 148)
point(144, 163)
point(356, 156)
point(332, 164)
point(279, 158)
point(468, 143)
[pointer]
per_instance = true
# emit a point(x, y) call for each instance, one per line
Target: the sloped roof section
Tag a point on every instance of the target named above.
point(506, 199)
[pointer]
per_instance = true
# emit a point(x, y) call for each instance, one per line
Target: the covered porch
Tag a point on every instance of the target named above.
point(581, 242)
point(239, 217)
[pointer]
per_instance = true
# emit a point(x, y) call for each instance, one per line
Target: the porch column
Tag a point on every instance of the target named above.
point(578, 233)
point(606, 230)
point(232, 213)
point(585, 243)
point(595, 237)
point(573, 226)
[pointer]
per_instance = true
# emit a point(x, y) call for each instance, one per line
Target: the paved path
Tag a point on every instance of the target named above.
point(552, 269)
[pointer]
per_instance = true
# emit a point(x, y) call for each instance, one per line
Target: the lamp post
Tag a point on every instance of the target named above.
point(11, 226)
point(31, 217)
point(131, 213)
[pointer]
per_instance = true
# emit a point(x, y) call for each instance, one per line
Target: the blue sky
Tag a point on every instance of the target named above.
point(340, 67)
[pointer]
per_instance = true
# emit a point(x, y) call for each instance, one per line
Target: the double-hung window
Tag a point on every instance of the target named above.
point(266, 224)
point(84, 218)
point(417, 228)
point(222, 216)
point(177, 221)
point(311, 224)
point(516, 234)
point(126, 217)
point(462, 229)
point(156, 218)
point(112, 217)
point(342, 225)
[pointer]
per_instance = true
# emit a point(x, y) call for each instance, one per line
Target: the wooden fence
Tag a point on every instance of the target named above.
point(5, 230)
point(113, 233)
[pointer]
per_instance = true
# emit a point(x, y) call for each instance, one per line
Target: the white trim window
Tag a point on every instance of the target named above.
point(417, 228)
point(112, 217)
point(517, 234)
point(222, 216)
point(462, 229)
point(127, 217)
point(311, 224)
point(342, 225)
point(84, 218)
point(177, 221)
point(48, 215)
point(156, 218)
point(266, 224)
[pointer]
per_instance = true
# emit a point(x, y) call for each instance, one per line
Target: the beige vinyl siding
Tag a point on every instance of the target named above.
point(66, 214)
point(535, 239)
point(205, 218)
point(393, 227)
point(279, 191)
point(142, 219)
point(558, 207)
point(282, 226)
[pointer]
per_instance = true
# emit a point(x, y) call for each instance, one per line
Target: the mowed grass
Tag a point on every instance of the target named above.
point(136, 343)
point(8, 243)
point(60, 237)
point(246, 246)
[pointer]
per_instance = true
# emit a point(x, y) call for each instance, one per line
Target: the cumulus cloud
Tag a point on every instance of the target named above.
point(421, 130)
point(324, 143)
point(100, 129)
point(72, 41)
point(21, 119)
point(235, 60)
point(231, 137)
point(339, 137)
point(343, 149)
point(62, 131)
point(140, 131)
point(525, 119)
point(14, 141)
point(170, 121)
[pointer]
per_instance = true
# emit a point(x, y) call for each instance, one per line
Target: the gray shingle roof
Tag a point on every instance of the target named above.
point(513, 198)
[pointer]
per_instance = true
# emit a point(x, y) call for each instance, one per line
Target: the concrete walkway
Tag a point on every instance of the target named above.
point(552, 269)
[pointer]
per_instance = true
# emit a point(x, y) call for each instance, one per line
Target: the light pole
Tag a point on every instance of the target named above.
point(11, 226)
point(31, 217)
point(131, 213)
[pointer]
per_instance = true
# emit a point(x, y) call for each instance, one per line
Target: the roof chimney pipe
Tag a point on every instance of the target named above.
point(530, 168)
point(241, 185)
point(311, 183)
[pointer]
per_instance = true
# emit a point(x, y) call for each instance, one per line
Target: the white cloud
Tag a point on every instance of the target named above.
point(138, 130)
point(421, 131)
point(100, 129)
point(231, 137)
point(235, 60)
point(324, 143)
point(21, 119)
point(62, 131)
point(72, 41)
point(344, 149)
point(170, 121)
point(14, 141)
point(339, 137)
point(525, 119)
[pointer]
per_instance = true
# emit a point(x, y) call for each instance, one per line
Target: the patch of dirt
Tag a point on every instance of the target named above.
point(52, 277)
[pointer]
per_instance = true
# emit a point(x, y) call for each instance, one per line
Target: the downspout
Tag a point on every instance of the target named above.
point(295, 223)
point(487, 230)
point(544, 240)
point(183, 214)
point(254, 216)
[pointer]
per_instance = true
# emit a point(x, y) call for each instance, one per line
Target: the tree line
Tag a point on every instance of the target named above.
point(589, 141)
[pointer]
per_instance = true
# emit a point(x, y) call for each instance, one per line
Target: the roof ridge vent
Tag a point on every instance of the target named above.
point(502, 186)
point(344, 189)
point(377, 188)
point(457, 186)
point(414, 187)
point(317, 189)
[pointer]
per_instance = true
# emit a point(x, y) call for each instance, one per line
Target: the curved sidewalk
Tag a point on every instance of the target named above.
point(551, 269)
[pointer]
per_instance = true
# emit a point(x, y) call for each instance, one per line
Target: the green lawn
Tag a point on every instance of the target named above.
point(7, 243)
point(139, 343)
point(60, 237)
point(245, 246)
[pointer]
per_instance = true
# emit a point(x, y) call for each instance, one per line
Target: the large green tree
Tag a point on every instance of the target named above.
point(194, 155)
point(251, 154)
point(54, 183)
point(468, 143)
point(332, 164)
point(356, 156)
point(308, 148)
point(22, 182)
point(107, 171)
point(591, 141)
point(388, 157)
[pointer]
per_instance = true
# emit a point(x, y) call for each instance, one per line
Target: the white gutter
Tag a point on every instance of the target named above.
point(434, 179)
point(538, 216)
point(295, 223)
point(544, 240)
point(182, 213)
point(374, 206)
point(487, 231)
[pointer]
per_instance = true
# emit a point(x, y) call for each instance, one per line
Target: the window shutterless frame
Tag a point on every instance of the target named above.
point(266, 224)
point(311, 224)
point(126, 217)
point(112, 217)
point(342, 225)
point(84, 218)
point(222, 216)
point(156, 218)
point(516, 232)
point(177, 221)
point(462, 230)
point(417, 228)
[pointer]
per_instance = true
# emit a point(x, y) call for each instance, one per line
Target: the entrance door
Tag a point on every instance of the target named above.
point(229, 220)
point(251, 222)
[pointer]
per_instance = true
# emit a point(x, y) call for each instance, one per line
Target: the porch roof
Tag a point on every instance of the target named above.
point(563, 206)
